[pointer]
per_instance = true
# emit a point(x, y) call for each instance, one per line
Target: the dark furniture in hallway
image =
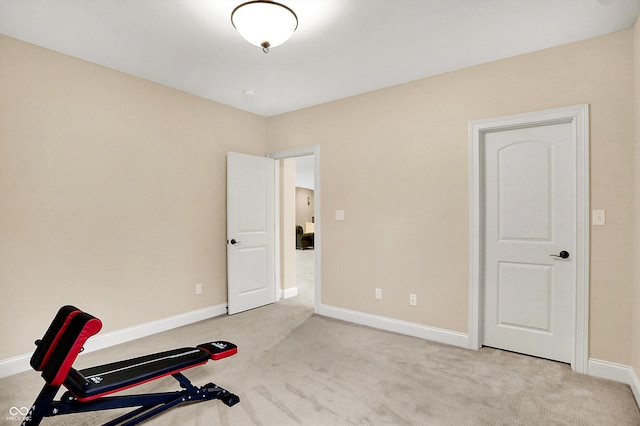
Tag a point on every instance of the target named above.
point(303, 241)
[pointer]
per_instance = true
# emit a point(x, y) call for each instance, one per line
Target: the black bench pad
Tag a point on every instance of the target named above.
point(97, 381)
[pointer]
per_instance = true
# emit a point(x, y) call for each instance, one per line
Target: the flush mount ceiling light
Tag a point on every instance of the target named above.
point(264, 23)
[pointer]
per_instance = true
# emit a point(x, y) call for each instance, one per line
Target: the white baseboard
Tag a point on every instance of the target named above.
point(616, 372)
point(403, 327)
point(20, 363)
point(635, 387)
point(290, 292)
point(287, 293)
point(14, 365)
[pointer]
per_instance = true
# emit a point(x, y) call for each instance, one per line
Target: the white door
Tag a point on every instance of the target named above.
point(250, 232)
point(529, 240)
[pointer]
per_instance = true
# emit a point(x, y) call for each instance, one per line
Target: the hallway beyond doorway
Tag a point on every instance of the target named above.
point(305, 275)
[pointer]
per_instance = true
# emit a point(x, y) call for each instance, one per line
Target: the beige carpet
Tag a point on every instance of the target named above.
point(294, 367)
point(305, 275)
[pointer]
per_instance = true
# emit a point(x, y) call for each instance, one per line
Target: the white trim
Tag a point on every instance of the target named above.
point(635, 387)
point(317, 212)
point(14, 365)
point(287, 293)
point(579, 116)
point(616, 372)
point(20, 363)
point(276, 259)
point(397, 326)
point(290, 292)
point(610, 370)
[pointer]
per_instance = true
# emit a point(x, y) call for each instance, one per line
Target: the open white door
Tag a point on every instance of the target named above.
point(250, 232)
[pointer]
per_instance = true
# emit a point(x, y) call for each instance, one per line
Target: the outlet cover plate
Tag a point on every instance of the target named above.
point(413, 299)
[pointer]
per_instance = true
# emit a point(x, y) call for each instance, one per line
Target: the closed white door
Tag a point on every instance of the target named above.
point(529, 240)
point(250, 232)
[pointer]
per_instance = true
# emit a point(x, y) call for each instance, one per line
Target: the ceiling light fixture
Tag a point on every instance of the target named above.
point(264, 23)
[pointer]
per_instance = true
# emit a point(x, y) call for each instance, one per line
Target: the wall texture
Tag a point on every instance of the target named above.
point(406, 202)
point(113, 194)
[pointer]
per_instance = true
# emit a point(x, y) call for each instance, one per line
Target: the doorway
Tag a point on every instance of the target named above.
point(298, 262)
point(529, 234)
point(305, 229)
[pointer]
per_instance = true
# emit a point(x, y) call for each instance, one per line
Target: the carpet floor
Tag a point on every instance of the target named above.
point(294, 367)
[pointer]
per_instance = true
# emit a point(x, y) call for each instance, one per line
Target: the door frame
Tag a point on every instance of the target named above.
point(578, 116)
point(317, 203)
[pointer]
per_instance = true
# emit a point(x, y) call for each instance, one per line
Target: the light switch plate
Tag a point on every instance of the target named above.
point(339, 214)
point(598, 218)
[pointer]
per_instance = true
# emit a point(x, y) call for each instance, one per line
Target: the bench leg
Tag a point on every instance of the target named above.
point(41, 406)
point(144, 413)
point(149, 404)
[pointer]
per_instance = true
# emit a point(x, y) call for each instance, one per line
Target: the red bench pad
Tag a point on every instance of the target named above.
point(219, 349)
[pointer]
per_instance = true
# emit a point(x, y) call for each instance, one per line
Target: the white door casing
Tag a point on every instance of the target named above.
point(529, 198)
point(250, 232)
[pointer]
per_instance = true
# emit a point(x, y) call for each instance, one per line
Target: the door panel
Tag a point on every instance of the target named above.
point(524, 214)
point(524, 296)
point(250, 232)
point(529, 216)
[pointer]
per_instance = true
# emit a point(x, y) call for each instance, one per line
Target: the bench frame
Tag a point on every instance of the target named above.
point(58, 350)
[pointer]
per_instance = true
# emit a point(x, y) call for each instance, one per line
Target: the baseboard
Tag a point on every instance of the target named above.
point(397, 326)
point(635, 387)
point(290, 292)
point(616, 372)
point(14, 365)
point(20, 363)
point(287, 293)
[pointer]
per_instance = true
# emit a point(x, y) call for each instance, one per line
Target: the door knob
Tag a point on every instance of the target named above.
point(234, 242)
point(563, 255)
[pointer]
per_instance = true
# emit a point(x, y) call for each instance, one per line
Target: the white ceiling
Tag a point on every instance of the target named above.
point(341, 48)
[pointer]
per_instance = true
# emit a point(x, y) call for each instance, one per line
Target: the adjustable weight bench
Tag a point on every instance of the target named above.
point(87, 388)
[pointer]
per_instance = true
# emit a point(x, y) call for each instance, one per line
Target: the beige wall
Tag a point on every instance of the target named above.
point(112, 194)
point(406, 202)
point(304, 211)
point(636, 119)
point(113, 191)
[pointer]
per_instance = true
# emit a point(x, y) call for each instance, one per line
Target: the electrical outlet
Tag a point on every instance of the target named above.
point(413, 299)
point(379, 293)
point(198, 288)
